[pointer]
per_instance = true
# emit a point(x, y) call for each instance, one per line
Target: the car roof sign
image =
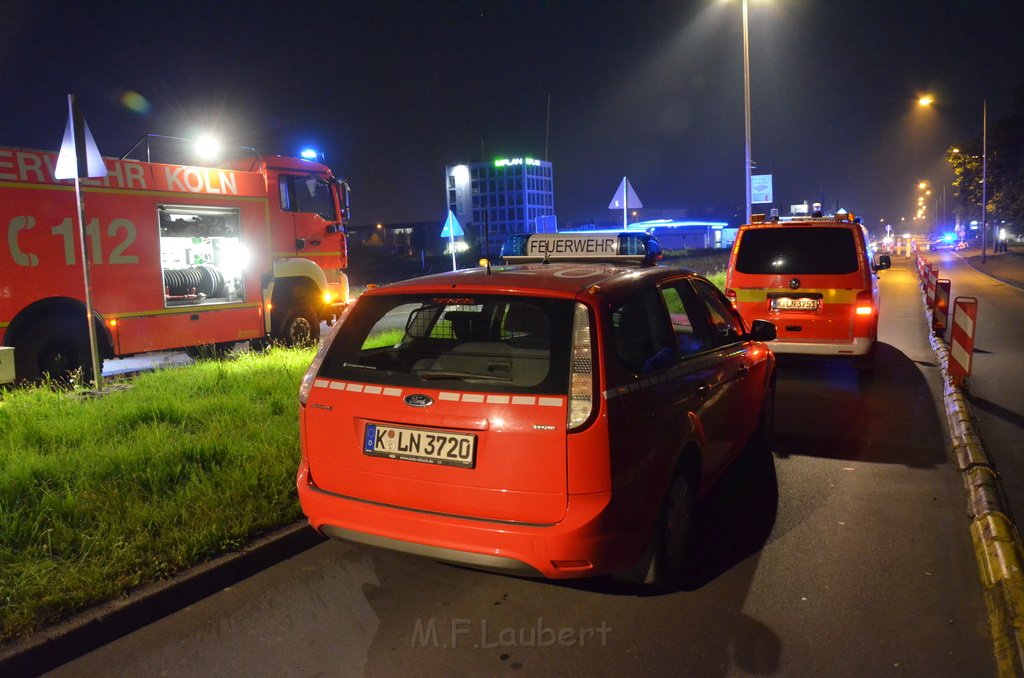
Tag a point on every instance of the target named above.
point(615, 247)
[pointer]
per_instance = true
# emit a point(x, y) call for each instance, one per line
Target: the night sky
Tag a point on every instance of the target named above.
point(392, 92)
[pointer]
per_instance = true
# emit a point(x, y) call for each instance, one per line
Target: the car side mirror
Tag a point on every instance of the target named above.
point(762, 330)
point(884, 262)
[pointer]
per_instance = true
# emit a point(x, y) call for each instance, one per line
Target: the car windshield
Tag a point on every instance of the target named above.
point(805, 251)
point(489, 343)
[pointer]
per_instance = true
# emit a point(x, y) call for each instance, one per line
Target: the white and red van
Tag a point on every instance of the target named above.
point(813, 278)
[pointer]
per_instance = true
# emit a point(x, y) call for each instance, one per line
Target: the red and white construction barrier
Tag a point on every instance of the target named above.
point(961, 344)
point(940, 315)
point(929, 290)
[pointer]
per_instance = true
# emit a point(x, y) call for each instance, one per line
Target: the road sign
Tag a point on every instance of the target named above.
point(761, 188)
point(452, 228)
point(625, 197)
point(79, 159)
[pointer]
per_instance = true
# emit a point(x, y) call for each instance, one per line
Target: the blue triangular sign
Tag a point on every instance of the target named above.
point(79, 156)
point(625, 197)
point(452, 227)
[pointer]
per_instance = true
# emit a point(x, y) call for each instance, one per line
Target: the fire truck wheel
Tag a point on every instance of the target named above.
point(54, 347)
point(673, 533)
point(299, 327)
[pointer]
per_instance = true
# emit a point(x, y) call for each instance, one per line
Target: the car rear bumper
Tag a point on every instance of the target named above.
point(859, 346)
point(580, 545)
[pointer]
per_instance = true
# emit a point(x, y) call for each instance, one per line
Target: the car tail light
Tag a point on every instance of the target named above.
point(731, 295)
point(310, 376)
point(314, 367)
point(865, 303)
point(581, 372)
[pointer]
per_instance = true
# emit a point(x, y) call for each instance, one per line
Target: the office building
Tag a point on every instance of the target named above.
point(493, 200)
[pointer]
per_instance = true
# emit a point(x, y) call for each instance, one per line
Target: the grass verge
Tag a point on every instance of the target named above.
point(100, 495)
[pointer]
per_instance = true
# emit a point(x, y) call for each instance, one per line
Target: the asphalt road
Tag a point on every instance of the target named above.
point(844, 553)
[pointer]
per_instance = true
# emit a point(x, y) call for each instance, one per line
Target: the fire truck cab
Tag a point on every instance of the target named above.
point(180, 256)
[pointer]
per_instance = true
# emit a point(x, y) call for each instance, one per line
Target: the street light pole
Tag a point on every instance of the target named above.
point(984, 176)
point(746, 107)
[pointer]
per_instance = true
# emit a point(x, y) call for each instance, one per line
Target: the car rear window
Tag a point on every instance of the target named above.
point(807, 251)
point(489, 343)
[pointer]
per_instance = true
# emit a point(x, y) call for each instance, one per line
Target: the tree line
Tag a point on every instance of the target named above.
point(1004, 178)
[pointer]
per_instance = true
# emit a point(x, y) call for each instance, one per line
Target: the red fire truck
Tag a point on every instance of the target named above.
point(181, 256)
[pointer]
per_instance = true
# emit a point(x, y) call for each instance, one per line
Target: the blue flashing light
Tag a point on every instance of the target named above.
point(949, 237)
point(309, 154)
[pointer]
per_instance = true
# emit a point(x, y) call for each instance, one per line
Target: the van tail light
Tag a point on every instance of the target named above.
point(581, 372)
point(865, 304)
point(730, 294)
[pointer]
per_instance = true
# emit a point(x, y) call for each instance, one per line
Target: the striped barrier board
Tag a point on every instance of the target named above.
point(933, 276)
point(940, 316)
point(961, 345)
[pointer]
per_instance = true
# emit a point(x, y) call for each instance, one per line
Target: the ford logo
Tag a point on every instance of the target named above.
point(419, 400)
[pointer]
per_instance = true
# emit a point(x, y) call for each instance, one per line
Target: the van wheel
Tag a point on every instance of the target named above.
point(55, 348)
point(299, 327)
point(672, 535)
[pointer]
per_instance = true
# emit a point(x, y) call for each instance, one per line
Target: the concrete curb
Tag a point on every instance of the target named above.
point(997, 545)
point(95, 627)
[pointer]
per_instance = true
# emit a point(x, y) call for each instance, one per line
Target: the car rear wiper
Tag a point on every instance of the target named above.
point(458, 374)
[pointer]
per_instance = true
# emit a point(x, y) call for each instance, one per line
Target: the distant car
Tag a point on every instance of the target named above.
point(556, 417)
point(946, 244)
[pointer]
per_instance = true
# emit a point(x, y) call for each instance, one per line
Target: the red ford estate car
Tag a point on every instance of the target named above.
point(558, 416)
